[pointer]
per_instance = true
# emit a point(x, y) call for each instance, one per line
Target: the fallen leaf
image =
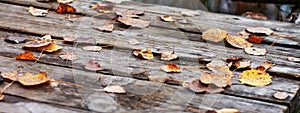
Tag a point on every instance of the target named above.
point(50, 48)
point(37, 43)
point(26, 56)
point(197, 86)
point(260, 30)
point(171, 68)
point(133, 41)
point(30, 80)
point(37, 12)
point(70, 39)
point(15, 39)
point(114, 89)
point(238, 42)
point(255, 15)
point(167, 18)
point(116, 1)
point(160, 79)
point(64, 1)
point(65, 8)
point(68, 56)
point(240, 64)
point(168, 56)
point(255, 77)
point(265, 66)
point(255, 51)
point(228, 110)
point(145, 54)
point(189, 13)
point(218, 80)
point(244, 33)
point(129, 13)
point(93, 65)
point(280, 95)
point(92, 48)
point(294, 59)
point(219, 67)
point(134, 22)
point(234, 58)
point(102, 6)
point(214, 89)
point(106, 27)
point(13, 75)
point(214, 34)
point(255, 39)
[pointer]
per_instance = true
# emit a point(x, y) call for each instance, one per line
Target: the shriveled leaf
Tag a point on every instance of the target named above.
point(255, 51)
point(13, 75)
point(50, 48)
point(107, 27)
point(129, 13)
point(15, 39)
point(260, 30)
point(145, 54)
point(171, 68)
point(30, 80)
point(265, 66)
point(228, 110)
point(197, 86)
point(26, 56)
point(64, 1)
point(280, 95)
point(189, 13)
point(214, 35)
point(255, 77)
point(255, 39)
point(240, 64)
point(65, 8)
point(68, 56)
point(167, 18)
point(93, 65)
point(218, 80)
point(160, 79)
point(133, 41)
point(168, 56)
point(92, 48)
point(255, 15)
point(37, 12)
point(293, 59)
point(102, 6)
point(238, 42)
point(134, 22)
point(114, 89)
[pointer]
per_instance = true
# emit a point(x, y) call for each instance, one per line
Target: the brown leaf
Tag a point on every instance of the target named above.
point(255, 39)
point(265, 66)
point(280, 95)
point(168, 56)
point(93, 65)
point(102, 6)
point(68, 56)
point(197, 86)
point(129, 13)
point(37, 12)
point(30, 80)
point(106, 27)
point(15, 39)
point(160, 79)
point(171, 68)
point(214, 89)
point(214, 34)
point(238, 42)
point(134, 22)
point(219, 67)
point(65, 8)
point(114, 89)
point(145, 54)
point(260, 30)
point(13, 75)
point(37, 43)
point(26, 56)
point(240, 64)
point(255, 51)
point(167, 18)
point(294, 59)
point(92, 48)
point(234, 58)
point(218, 80)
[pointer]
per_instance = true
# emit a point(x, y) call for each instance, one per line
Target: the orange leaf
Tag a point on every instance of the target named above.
point(50, 48)
point(26, 56)
point(64, 8)
point(30, 80)
point(238, 42)
point(171, 68)
point(255, 39)
point(167, 18)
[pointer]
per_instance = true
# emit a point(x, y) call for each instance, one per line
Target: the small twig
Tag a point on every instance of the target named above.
point(69, 83)
point(39, 56)
point(278, 35)
point(6, 87)
point(273, 43)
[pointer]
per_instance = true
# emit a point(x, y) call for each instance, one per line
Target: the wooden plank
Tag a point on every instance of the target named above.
point(141, 95)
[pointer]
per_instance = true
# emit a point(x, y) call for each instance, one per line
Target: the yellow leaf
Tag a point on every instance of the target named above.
point(238, 42)
point(214, 34)
point(30, 80)
point(145, 54)
point(255, 77)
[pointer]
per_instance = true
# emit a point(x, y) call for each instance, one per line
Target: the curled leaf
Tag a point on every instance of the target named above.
point(265, 66)
point(240, 64)
point(260, 30)
point(168, 56)
point(145, 54)
point(171, 68)
point(26, 56)
point(114, 89)
point(255, 77)
point(238, 42)
point(30, 80)
point(214, 34)
point(134, 22)
point(37, 12)
point(167, 18)
point(255, 51)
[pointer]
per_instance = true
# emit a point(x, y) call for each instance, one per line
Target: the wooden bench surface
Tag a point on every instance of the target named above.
point(142, 95)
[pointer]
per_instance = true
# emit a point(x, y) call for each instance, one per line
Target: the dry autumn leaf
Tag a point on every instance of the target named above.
point(15, 39)
point(92, 48)
point(294, 59)
point(265, 66)
point(134, 22)
point(244, 33)
point(68, 56)
point(240, 64)
point(37, 12)
point(114, 89)
point(238, 42)
point(197, 86)
point(145, 54)
point(37, 43)
point(26, 56)
point(13, 75)
point(129, 13)
point(255, 39)
point(30, 80)
point(228, 110)
point(102, 6)
point(211, 88)
point(214, 35)
point(93, 65)
point(106, 27)
point(219, 67)
point(260, 30)
point(50, 48)
point(234, 58)
point(167, 18)
point(171, 68)
point(168, 56)
point(218, 80)
point(64, 1)
point(65, 8)
point(280, 95)
point(255, 77)
point(70, 39)
point(255, 51)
